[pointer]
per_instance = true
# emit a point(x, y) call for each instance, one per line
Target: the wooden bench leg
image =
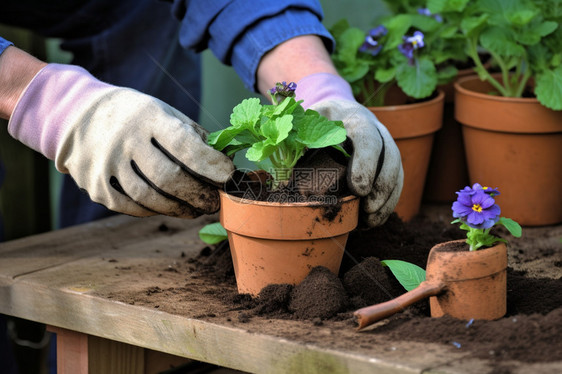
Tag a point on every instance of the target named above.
point(79, 353)
point(72, 351)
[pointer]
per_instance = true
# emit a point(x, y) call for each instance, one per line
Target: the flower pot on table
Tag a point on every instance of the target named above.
point(476, 281)
point(514, 144)
point(460, 283)
point(274, 243)
point(412, 127)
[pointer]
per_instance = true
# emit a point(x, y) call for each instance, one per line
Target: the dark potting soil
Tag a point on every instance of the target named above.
point(529, 332)
point(319, 173)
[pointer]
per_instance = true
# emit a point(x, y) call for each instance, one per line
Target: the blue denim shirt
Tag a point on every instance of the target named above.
point(141, 44)
point(4, 44)
point(240, 32)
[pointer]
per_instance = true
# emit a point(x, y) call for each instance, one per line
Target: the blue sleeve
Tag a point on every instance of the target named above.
point(240, 32)
point(4, 44)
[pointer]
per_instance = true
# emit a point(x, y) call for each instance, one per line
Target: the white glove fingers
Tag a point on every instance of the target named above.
point(389, 174)
point(171, 181)
point(189, 150)
point(363, 164)
point(120, 201)
point(378, 217)
point(168, 202)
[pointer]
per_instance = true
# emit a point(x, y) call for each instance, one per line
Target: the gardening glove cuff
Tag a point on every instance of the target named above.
point(131, 152)
point(375, 169)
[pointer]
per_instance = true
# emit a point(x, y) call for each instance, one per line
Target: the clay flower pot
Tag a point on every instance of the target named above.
point(516, 144)
point(460, 283)
point(412, 127)
point(274, 243)
point(475, 281)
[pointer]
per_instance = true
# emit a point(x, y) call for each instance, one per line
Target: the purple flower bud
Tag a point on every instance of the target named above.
point(282, 90)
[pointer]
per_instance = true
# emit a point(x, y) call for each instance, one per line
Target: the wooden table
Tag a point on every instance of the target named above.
point(67, 280)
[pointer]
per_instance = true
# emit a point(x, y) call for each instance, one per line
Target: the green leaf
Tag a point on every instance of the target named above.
point(260, 150)
point(246, 114)
point(549, 88)
point(441, 6)
point(213, 233)
point(397, 27)
point(319, 132)
point(513, 227)
point(500, 41)
point(385, 75)
point(472, 26)
point(418, 80)
point(409, 275)
point(221, 139)
point(278, 129)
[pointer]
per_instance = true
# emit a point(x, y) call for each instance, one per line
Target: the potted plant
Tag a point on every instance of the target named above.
point(283, 220)
point(395, 70)
point(465, 279)
point(515, 115)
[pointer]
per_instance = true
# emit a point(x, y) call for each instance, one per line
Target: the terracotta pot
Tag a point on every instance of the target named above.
point(460, 283)
point(475, 281)
point(412, 126)
point(514, 144)
point(274, 243)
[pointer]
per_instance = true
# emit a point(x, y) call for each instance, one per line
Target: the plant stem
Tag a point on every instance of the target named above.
point(484, 74)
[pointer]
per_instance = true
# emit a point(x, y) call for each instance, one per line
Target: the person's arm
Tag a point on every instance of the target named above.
point(293, 60)
point(17, 69)
point(129, 151)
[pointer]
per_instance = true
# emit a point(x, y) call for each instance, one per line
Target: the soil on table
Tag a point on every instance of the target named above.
point(530, 331)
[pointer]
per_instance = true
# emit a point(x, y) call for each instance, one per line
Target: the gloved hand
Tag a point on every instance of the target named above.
point(375, 170)
point(130, 152)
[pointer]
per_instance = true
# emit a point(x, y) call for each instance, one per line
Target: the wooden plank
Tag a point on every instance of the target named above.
point(34, 253)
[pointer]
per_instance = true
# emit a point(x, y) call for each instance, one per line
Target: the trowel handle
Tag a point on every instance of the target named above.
point(371, 314)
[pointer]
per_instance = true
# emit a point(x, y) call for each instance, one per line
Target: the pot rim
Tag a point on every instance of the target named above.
point(461, 89)
point(239, 200)
point(391, 108)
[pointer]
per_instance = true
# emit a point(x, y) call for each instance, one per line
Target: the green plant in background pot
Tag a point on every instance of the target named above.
point(395, 70)
point(516, 114)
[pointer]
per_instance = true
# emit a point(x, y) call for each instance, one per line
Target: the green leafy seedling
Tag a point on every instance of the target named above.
point(278, 134)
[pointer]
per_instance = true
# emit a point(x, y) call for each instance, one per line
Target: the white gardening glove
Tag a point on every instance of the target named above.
point(129, 151)
point(375, 170)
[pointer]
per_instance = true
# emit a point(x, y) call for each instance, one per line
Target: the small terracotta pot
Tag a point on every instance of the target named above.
point(412, 127)
point(274, 243)
point(460, 283)
point(475, 281)
point(514, 144)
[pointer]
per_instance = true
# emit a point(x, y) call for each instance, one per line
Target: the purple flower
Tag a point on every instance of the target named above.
point(476, 186)
point(411, 44)
point(476, 208)
point(427, 12)
point(371, 44)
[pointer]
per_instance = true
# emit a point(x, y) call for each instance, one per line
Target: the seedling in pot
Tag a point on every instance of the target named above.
point(276, 136)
